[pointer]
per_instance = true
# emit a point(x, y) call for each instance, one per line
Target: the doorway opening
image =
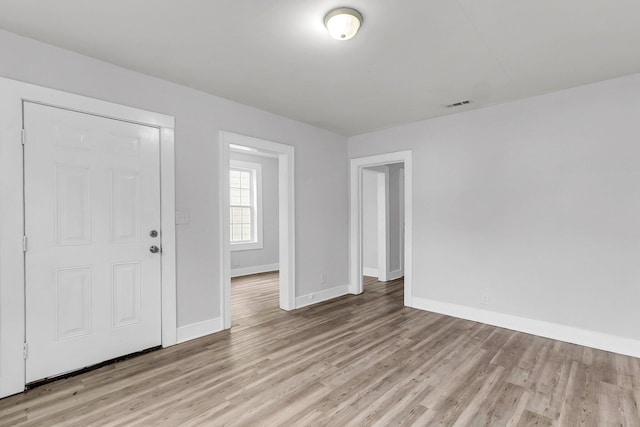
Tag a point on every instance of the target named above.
point(381, 220)
point(253, 230)
point(257, 224)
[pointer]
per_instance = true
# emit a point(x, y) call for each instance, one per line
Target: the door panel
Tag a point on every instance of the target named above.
point(125, 206)
point(73, 209)
point(126, 294)
point(73, 302)
point(92, 195)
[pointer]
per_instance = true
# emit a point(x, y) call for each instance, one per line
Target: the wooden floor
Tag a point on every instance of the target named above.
point(357, 360)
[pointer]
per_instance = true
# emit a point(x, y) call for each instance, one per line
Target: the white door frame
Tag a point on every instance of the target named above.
point(401, 223)
point(286, 222)
point(355, 222)
point(12, 268)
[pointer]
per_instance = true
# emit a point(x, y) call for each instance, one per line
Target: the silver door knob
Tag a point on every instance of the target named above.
point(154, 249)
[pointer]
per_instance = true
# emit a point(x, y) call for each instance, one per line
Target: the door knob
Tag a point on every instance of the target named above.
point(154, 249)
point(153, 233)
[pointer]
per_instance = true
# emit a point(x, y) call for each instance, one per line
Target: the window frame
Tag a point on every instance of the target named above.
point(256, 205)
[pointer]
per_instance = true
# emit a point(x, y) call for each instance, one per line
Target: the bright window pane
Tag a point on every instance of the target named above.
point(236, 232)
point(236, 215)
point(245, 179)
point(234, 178)
point(245, 197)
point(246, 231)
point(235, 196)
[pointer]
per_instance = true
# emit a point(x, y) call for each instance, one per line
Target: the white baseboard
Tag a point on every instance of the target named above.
point(199, 329)
point(245, 271)
point(368, 271)
point(325, 295)
point(599, 340)
point(396, 274)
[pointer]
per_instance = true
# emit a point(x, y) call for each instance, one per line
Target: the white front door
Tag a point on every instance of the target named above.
point(92, 199)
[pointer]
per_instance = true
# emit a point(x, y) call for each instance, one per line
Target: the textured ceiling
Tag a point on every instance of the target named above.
point(410, 59)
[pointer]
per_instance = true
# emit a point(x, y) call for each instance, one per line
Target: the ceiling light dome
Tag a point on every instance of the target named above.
point(343, 23)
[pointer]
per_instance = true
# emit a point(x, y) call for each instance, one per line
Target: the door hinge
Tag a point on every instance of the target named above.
point(25, 350)
point(24, 243)
point(23, 136)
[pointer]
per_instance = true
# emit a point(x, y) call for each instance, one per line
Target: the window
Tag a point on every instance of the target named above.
point(245, 186)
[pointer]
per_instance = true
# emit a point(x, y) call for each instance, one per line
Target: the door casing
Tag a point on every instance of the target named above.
point(355, 221)
point(286, 219)
point(12, 268)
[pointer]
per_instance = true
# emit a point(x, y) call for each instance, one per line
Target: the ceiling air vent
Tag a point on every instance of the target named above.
point(459, 104)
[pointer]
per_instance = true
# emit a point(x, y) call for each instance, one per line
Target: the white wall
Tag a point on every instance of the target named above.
point(268, 255)
point(321, 166)
point(534, 204)
point(370, 222)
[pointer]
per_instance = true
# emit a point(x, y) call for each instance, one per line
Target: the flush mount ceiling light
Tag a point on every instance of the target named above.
point(343, 23)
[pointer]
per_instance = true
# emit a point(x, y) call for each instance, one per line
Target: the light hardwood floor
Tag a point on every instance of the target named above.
point(357, 360)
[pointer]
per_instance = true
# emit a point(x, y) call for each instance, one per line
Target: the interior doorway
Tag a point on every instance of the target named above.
point(253, 212)
point(383, 221)
point(243, 231)
point(379, 164)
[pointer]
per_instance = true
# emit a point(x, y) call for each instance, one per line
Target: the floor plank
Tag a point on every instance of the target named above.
point(356, 360)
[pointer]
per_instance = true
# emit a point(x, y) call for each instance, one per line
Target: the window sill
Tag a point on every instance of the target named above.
point(246, 246)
